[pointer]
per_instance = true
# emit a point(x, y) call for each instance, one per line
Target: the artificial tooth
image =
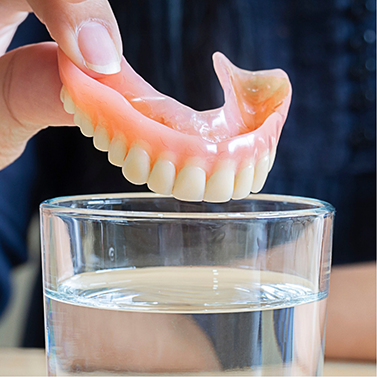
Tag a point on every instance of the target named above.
point(62, 93)
point(117, 151)
point(136, 166)
point(243, 183)
point(77, 118)
point(220, 186)
point(272, 159)
point(101, 139)
point(260, 174)
point(68, 104)
point(84, 123)
point(190, 184)
point(162, 177)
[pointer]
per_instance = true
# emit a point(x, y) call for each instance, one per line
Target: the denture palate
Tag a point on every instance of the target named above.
point(213, 155)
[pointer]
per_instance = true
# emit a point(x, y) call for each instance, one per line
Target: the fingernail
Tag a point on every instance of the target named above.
point(98, 49)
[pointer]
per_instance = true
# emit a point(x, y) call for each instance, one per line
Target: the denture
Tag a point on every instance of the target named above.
point(213, 155)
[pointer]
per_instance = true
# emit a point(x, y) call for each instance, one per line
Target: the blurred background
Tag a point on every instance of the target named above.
point(13, 320)
point(327, 148)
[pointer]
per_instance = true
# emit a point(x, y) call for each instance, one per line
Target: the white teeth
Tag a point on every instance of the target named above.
point(68, 104)
point(162, 177)
point(272, 159)
point(84, 123)
point(243, 183)
point(190, 184)
point(101, 139)
point(136, 166)
point(260, 175)
point(117, 151)
point(220, 186)
point(78, 117)
point(62, 93)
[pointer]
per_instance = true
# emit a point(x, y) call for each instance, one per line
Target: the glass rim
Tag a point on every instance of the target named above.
point(319, 207)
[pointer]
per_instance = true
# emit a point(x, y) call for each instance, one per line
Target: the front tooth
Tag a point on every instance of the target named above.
point(220, 186)
point(68, 104)
point(162, 177)
point(190, 184)
point(117, 151)
point(101, 139)
point(260, 175)
point(243, 183)
point(136, 166)
point(272, 158)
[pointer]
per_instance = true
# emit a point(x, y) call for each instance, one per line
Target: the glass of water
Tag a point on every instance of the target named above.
point(145, 284)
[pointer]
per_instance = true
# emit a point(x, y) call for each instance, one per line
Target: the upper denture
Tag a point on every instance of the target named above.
point(232, 139)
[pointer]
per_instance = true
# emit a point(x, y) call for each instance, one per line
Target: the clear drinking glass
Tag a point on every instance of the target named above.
point(143, 283)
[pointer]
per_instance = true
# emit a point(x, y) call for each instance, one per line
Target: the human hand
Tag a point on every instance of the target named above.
point(88, 339)
point(86, 30)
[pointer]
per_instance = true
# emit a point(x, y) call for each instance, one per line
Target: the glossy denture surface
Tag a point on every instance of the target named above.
point(191, 151)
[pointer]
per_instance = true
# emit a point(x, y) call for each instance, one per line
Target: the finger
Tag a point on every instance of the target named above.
point(12, 13)
point(29, 97)
point(86, 30)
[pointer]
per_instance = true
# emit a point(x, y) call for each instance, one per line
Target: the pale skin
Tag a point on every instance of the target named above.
point(29, 102)
point(351, 321)
point(29, 80)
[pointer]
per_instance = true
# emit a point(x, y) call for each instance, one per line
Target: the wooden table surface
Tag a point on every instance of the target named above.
point(31, 362)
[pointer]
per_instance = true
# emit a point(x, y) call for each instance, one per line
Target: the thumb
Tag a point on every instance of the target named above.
point(86, 30)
